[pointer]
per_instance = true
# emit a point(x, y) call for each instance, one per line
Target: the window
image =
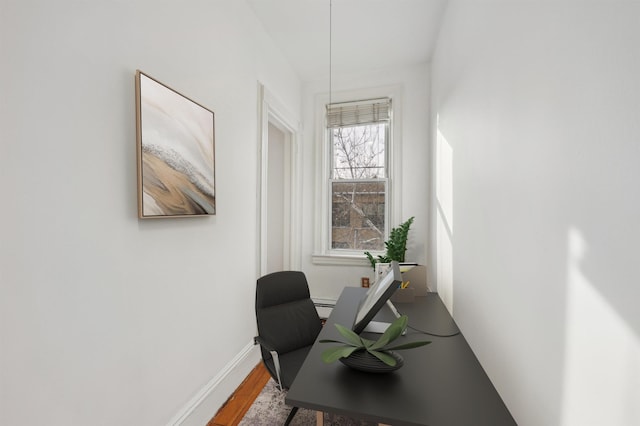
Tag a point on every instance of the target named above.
point(358, 137)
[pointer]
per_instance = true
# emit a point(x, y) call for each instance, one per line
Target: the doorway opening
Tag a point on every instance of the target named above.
point(278, 194)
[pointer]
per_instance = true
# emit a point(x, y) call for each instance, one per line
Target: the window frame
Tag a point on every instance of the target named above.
point(323, 253)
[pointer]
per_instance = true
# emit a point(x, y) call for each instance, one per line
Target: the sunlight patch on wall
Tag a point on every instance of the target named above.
point(602, 354)
point(444, 218)
point(444, 181)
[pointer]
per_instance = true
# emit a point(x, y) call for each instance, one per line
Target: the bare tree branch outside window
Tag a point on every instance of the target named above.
point(359, 151)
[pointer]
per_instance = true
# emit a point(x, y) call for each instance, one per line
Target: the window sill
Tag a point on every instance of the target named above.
point(340, 259)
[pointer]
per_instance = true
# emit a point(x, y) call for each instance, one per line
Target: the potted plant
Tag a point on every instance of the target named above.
point(396, 245)
point(368, 355)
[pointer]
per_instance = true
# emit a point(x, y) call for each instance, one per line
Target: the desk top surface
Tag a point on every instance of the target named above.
point(440, 384)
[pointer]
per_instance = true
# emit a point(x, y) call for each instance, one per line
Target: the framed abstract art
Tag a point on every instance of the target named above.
point(175, 151)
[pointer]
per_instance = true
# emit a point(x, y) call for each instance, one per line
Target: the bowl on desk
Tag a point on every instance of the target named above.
point(362, 360)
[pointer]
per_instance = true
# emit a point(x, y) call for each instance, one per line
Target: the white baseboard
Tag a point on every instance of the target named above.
point(324, 306)
point(206, 403)
point(322, 301)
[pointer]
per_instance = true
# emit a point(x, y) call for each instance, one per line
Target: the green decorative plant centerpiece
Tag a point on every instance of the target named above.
point(368, 355)
point(396, 245)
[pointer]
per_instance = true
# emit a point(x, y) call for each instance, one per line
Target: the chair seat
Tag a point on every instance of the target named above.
point(290, 363)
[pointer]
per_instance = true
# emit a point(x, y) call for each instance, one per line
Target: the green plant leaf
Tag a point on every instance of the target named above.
point(384, 357)
point(391, 333)
point(371, 259)
point(409, 345)
point(396, 246)
point(367, 343)
point(397, 243)
point(333, 354)
point(352, 338)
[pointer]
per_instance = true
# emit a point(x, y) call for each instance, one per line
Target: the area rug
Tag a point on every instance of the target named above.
point(269, 409)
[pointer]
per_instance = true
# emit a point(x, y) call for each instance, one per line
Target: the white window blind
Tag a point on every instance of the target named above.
point(361, 112)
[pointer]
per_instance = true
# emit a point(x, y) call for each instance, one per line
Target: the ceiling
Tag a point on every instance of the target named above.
point(365, 34)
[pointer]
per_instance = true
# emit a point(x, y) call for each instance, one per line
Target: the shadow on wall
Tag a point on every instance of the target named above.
point(601, 383)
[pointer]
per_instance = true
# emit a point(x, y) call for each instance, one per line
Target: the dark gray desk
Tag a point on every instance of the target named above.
point(441, 384)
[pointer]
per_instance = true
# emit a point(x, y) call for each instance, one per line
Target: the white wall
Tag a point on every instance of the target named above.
point(106, 319)
point(538, 105)
point(327, 281)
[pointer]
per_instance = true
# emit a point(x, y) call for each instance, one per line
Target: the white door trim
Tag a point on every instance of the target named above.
point(270, 110)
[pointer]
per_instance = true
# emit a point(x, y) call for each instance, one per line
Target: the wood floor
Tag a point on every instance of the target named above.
point(237, 405)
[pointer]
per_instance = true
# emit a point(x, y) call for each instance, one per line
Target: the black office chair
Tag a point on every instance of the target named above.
point(288, 324)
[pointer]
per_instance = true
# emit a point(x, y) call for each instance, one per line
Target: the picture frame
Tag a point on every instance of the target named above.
point(380, 269)
point(175, 139)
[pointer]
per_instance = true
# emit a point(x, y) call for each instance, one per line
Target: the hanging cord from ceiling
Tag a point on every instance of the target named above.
point(330, 47)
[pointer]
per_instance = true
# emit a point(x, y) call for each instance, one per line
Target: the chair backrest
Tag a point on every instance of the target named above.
point(285, 313)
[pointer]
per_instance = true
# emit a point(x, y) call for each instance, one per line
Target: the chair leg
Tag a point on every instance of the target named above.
point(319, 418)
point(292, 413)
